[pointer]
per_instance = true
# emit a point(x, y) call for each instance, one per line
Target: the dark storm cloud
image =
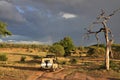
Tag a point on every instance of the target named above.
point(79, 6)
point(9, 13)
point(53, 19)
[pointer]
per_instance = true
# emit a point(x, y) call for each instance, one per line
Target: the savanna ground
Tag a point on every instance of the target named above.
point(85, 69)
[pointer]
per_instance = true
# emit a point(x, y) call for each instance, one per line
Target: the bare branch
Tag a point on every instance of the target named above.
point(103, 19)
point(98, 41)
point(103, 12)
point(97, 22)
point(113, 13)
point(101, 15)
point(110, 33)
point(95, 32)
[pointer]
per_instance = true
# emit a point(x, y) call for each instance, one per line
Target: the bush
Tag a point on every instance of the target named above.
point(67, 44)
point(81, 48)
point(114, 66)
point(116, 54)
point(3, 57)
point(63, 62)
point(96, 52)
point(73, 61)
point(23, 58)
point(57, 49)
point(36, 57)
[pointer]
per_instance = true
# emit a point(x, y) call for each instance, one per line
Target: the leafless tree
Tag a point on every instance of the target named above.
point(103, 18)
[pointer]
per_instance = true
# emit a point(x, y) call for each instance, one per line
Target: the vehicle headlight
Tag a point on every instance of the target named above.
point(43, 64)
point(49, 64)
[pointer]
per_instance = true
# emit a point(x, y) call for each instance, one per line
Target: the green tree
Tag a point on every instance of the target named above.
point(68, 45)
point(57, 49)
point(3, 29)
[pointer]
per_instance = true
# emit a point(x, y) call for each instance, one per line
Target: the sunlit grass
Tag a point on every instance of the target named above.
point(14, 69)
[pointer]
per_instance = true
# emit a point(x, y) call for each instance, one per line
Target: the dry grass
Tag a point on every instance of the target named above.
point(13, 69)
point(9, 73)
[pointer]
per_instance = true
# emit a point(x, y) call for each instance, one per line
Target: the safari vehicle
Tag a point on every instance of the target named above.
point(49, 63)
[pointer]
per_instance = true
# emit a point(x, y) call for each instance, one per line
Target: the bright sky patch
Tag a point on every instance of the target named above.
point(20, 10)
point(30, 8)
point(67, 15)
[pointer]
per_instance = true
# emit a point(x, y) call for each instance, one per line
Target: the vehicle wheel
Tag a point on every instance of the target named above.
point(52, 69)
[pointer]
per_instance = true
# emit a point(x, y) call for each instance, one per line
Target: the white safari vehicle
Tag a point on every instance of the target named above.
point(49, 63)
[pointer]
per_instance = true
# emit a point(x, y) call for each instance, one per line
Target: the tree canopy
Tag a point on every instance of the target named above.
point(67, 43)
point(3, 29)
point(57, 49)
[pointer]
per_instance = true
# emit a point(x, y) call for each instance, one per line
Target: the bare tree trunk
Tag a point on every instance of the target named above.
point(103, 19)
point(107, 58)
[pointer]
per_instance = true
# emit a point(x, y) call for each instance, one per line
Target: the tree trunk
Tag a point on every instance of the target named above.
point(107, 59)
point(108, 45)
point(103, 19)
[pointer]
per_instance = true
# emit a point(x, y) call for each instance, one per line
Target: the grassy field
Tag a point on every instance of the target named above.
point(14, 69)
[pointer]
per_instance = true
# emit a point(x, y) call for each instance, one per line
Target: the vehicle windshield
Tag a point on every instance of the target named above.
point(50, 56)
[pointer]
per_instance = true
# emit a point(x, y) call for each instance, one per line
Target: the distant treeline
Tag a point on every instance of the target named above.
point(92, 51)
point(33, 46)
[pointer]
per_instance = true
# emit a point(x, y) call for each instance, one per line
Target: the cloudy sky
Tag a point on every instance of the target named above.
point(51, 20)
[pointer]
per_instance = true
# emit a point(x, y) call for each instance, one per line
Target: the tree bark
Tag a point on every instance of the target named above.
point(108, 45)
point(107, 58)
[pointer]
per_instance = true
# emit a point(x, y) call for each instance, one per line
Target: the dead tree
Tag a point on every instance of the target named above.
point(103, 18)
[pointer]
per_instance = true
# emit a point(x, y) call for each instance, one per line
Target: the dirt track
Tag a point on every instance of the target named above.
point(63, 74)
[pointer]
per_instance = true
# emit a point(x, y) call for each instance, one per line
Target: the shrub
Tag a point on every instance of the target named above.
point(81, 48)
point(23, 58)
point(114, 66)
point(116, 54)
point(3, 57)
point(67, 44)
point(73, 61)
point(57, 49)
point(96, 52)
point(102, 66)
point(36, 57)
point(62, 62)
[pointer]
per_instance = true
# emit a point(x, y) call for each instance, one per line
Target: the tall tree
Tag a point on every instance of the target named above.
point(103, 18)
point(3, 29)
point(67, 43)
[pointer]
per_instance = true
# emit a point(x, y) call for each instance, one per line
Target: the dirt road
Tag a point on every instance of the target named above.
point(63, 74)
